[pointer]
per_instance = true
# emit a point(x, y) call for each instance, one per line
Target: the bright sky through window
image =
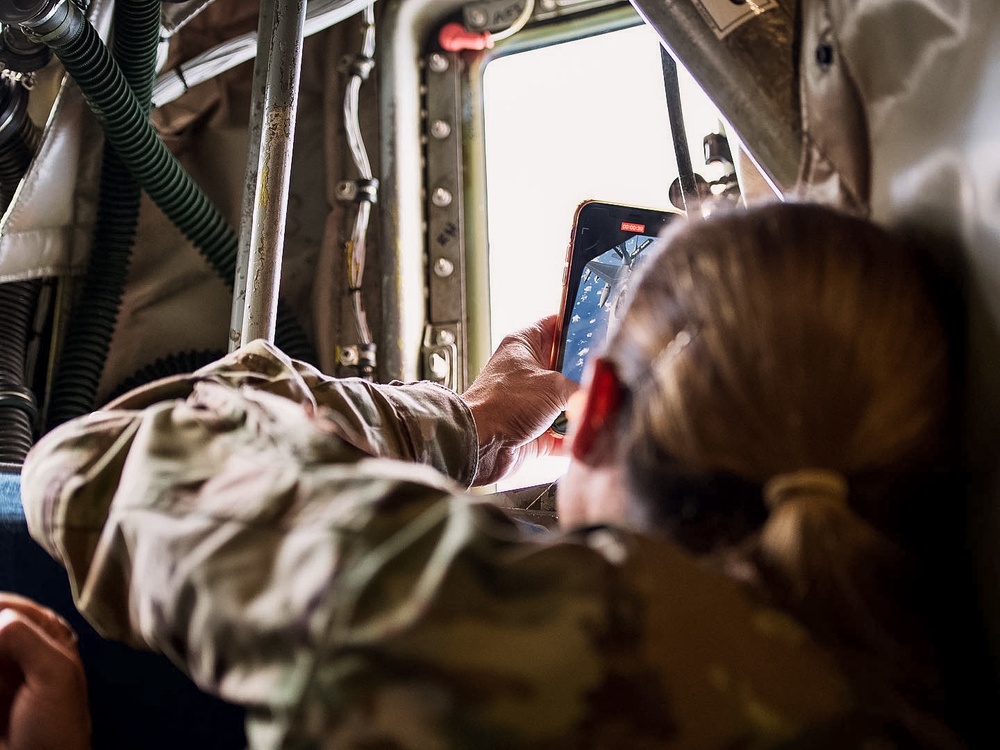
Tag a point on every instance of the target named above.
point(566, 123)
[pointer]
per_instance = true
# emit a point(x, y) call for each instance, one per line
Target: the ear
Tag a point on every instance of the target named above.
point(593, 429)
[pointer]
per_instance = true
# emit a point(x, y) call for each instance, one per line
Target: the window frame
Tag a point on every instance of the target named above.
point(457, 240)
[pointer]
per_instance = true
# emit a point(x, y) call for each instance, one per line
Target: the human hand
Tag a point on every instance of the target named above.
point(514, 401)
point(43, 690)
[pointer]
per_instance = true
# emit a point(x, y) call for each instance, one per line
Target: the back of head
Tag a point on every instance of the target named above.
point(813, 343)
point(788, 392)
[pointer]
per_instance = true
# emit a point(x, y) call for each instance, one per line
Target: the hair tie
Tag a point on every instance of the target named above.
point(794, 485)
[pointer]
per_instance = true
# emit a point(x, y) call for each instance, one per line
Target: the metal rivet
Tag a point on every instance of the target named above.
point(438, 63)
point(443, 268)
point(440, 129)
point(346, 190)
point(441, 197)
point(445, 338)
point(348, 356)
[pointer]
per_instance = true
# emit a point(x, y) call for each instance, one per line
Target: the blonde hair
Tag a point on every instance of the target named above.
point(811, 342)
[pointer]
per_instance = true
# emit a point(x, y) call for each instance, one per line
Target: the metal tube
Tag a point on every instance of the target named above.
point(174, 83)
point(265, 23)
point(276, 84)
point(406, 25)
point(749, 72)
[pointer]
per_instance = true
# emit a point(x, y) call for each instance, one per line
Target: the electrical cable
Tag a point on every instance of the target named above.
point(455, 37)
point(355, 250)
point(519, 23)
point(174, 83)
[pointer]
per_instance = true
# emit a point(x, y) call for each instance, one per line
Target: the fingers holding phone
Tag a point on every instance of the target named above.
point(514, 400)
point(518, 399)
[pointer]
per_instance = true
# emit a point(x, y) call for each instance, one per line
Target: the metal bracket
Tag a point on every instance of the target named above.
point(356, 191)
point(440, 355)
point(445, 345)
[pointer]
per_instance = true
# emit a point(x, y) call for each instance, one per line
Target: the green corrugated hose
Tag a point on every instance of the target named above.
point(118, 93)
point(95, 313)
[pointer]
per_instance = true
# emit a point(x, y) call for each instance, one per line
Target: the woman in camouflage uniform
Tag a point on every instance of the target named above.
point(742, 509)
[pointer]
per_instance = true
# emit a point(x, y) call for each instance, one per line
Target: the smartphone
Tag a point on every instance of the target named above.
point(608, 243)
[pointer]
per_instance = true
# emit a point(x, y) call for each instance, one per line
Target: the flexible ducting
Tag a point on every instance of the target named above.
point(64, 28)
point(19, 138)
point(95, 315)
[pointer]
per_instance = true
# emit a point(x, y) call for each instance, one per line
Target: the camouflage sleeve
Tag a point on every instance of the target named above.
point(422, 421)
point(349, 601)
point(333, 594)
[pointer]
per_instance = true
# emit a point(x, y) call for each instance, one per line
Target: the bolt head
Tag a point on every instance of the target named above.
point(443, 268)
point(441, 197)
point(438, 62)
point(440, 129)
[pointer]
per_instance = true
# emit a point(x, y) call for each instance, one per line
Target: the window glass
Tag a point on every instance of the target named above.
point(580, 120)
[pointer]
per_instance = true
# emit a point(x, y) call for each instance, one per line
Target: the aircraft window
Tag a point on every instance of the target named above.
point(564, 123)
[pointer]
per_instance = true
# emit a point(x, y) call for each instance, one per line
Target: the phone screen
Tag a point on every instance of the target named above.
point(608, 244)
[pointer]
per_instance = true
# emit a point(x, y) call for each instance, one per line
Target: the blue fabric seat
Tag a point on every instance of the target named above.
point(138, 700)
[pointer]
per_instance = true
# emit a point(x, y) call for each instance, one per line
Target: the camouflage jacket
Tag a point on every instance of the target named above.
point(302, 545)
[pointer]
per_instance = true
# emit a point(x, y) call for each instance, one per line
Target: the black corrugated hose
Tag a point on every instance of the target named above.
point(95, 313)
point(129, 133)
point(120, 101)
point(18, 408)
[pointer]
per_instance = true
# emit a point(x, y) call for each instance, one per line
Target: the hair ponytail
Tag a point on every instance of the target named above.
point(821, 557)
point(814, 339)
point(852, 587)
